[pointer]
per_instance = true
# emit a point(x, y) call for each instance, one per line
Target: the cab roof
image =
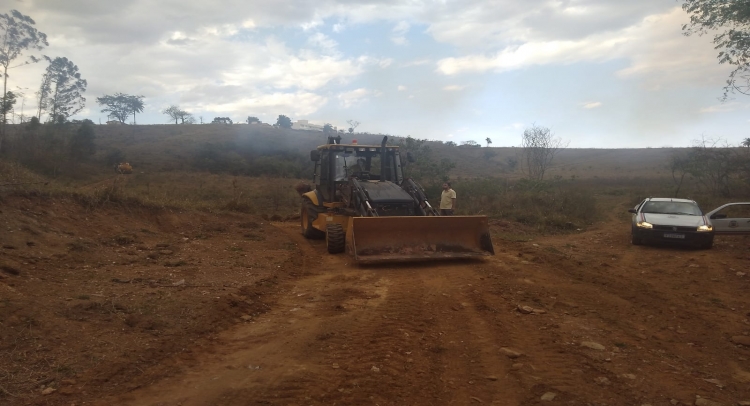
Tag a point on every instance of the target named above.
point(358, 147)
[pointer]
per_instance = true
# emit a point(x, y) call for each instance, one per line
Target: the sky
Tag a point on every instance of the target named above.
point(599, 74)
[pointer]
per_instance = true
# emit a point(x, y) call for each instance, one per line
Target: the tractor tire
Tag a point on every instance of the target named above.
point(307, 213)
point(335, 238)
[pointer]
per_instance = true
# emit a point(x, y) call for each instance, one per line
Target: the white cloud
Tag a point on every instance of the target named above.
point(353, 97)
point(591, 105)
point(723, 108)
point(535, 53)
point(324, 42)
point(418, 62)
point(248, 24)
point(401, 88)
point(296, 104)
point(399, 33)
point(453, 88)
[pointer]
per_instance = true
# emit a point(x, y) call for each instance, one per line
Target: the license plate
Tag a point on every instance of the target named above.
point(671, 235)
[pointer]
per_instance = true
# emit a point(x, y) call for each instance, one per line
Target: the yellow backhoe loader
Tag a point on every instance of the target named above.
point(124, 168)
point(361, 203)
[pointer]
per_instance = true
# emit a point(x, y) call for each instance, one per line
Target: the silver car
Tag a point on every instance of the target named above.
point(731, 218)
point(669, 220)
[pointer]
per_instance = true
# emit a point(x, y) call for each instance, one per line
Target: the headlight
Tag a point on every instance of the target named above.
point(705, 228)
point(643, 224)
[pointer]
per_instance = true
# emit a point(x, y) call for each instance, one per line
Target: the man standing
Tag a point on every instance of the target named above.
point(447, 200)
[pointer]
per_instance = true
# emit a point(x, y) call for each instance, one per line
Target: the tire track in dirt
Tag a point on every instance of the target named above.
point(432, 334)
point(549, 362)
point(642, 299)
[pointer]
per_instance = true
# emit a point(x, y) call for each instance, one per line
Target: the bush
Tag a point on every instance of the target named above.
point(546, 205)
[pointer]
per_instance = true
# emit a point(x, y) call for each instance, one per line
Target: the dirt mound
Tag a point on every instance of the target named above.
point(92, 299)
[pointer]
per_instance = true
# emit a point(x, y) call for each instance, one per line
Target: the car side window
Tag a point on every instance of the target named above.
point(735, 211)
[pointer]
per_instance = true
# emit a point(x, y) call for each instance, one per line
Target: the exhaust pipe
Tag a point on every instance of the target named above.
point(383, 158)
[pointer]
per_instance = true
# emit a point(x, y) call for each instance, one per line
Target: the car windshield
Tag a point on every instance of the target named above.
point(685, 208)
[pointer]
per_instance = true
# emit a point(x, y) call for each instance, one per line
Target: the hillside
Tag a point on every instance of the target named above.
point(173, 147)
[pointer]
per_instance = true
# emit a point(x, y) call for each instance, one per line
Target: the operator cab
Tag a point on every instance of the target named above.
point(335, 164)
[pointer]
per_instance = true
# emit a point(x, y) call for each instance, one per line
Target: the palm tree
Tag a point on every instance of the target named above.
point(135, 103)
point(746, 142)
point(489, 141)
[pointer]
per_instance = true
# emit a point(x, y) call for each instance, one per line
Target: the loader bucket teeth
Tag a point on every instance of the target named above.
point(383, 239)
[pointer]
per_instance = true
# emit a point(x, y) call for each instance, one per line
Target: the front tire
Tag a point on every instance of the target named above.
point(335, 238)
point(308, 213)
point(635, 239)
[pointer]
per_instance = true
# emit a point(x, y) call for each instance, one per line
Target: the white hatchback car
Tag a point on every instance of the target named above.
point(668, 220)
point(681, 221)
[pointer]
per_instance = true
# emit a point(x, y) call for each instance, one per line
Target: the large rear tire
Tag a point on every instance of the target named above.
point(335, 238)
point(308, 213)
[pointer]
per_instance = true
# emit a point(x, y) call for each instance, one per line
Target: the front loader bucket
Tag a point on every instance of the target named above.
point(381, 239)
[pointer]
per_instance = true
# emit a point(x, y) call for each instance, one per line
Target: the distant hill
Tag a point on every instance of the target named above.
point(172, 147)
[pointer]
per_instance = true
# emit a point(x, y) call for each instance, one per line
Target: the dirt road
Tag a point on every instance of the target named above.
point(139, 307)
point(610, 324)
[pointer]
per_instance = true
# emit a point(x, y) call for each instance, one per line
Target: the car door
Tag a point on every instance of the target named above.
point(731, 218)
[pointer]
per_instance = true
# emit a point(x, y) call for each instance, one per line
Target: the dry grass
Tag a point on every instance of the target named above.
point(165, 174)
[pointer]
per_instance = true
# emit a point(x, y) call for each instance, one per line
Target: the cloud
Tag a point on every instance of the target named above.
point(399, 33)
point(723, 108)
point(353, 97)
point(401, 88)
point(597, 48)
point(296, 104)
point(418, 62)
point(592, 105)
point(453, 88)
point(324, 42)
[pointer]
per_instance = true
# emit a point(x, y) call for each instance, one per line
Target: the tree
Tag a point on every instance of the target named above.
point(746, 142)
point(17, 34)
point(186, 117)
point(284, 121)
point(352, 125)
point(135, 104)
point(117, 106)
point(7, 104)
point(41, 96)
point(539, 149)
point(328, 129)
point(222, 120)
point(426, 169)
point(82, 142)
point(488, 141)
point(731, 18)
point(712, 162)
point(64, 88)
point(470, 143)
point(251, 119)
point(178, 115)
point(450, 143)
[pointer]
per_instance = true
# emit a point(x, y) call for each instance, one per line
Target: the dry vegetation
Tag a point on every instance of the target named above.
point(111, 283)
point(252, 169)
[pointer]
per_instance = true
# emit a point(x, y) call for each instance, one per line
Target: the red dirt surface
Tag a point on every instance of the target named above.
point(265, 317)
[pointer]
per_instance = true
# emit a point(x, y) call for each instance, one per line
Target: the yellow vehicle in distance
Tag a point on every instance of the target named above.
point(360, 202)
